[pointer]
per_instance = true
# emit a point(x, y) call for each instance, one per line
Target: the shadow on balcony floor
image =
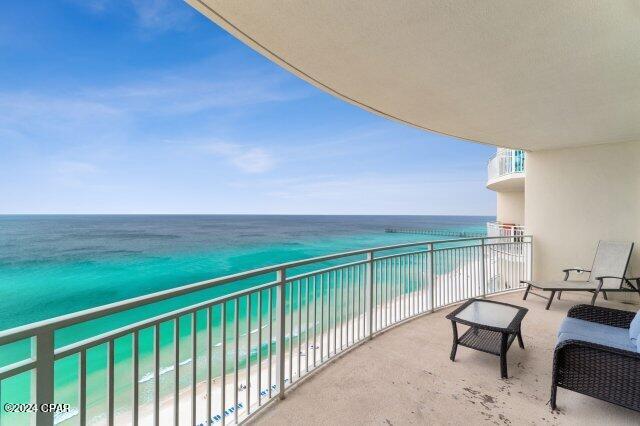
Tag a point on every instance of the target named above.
point(404, 376)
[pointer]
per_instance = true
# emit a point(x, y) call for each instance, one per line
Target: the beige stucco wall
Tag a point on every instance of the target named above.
point(575, 197)
point(510, 207)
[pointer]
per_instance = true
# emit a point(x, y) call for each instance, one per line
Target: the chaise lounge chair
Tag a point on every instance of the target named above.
point(606, 275)
point(598, 354)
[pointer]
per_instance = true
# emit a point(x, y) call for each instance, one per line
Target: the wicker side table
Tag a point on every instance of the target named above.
point(493, 326)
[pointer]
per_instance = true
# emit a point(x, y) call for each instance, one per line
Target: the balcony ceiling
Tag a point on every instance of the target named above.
point(519, 74)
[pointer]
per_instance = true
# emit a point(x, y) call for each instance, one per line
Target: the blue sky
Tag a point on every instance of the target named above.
point(145, 106)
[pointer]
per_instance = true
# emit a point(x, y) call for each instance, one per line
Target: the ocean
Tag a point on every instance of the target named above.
point(55, 265)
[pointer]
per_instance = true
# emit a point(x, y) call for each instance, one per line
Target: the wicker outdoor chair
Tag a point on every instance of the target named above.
point(597, 354)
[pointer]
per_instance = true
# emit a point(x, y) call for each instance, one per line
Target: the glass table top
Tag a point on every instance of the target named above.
point(489, 314)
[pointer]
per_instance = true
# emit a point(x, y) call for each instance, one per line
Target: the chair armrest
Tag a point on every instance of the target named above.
point(600, 315)
point(569, 345)
point(625, 280)
point(604, 277)
point(579, 270)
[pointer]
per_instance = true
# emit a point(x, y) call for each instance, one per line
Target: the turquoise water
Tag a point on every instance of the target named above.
point(54, 265)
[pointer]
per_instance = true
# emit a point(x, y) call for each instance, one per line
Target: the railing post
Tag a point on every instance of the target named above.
point(432, 276)
point(530, 275)
point(42, 382)
point(483, 275)
point(281, 279)
point(370, 289)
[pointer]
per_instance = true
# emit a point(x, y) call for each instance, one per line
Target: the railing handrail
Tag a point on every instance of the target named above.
point(503, 224)
point(62, 321)
point(139, 325)
point(504, 153)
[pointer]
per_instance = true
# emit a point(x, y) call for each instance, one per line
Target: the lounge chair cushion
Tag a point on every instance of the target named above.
point(576, 329)
point(634, 329)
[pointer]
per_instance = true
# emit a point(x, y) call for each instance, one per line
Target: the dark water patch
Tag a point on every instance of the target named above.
point(60, 260)
point(75, 257)
point(83, 249)
point(127, 252)
point(292, 244)
point(122, 235)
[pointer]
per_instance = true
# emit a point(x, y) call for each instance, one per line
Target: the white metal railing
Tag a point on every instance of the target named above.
point(248, 347)
point(505, 162)
point(498, 229)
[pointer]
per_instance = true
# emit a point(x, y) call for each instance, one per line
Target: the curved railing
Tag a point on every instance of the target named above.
point(223, 358)
point(505, 162)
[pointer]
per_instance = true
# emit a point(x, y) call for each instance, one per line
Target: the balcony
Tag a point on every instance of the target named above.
point(359, 336)
point(506, 170)
point(226, 357)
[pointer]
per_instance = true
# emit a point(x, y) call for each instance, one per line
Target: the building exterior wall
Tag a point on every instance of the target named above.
point(575, 197)
point(510, 207)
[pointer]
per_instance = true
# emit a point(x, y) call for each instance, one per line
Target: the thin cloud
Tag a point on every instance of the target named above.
point(245, 158)
point(93, 6)
point(375, 194)
point(73, 173)
point(162, 15)
point(75, 167)
point(187, 93)
point(44, 119)
point(151, 16)
point(111, 111)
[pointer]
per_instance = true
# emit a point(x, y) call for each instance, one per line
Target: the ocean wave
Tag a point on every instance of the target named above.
point(61, 417)
point(255, 330)
point(161, 371)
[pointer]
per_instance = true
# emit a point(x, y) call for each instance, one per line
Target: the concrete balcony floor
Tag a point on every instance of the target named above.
point(404, 376)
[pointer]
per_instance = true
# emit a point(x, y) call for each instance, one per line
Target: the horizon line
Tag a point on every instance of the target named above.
point(238, 214)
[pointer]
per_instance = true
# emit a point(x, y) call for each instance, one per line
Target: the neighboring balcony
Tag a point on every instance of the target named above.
point(499, 229)
point(506, 170)
point(511, 232)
